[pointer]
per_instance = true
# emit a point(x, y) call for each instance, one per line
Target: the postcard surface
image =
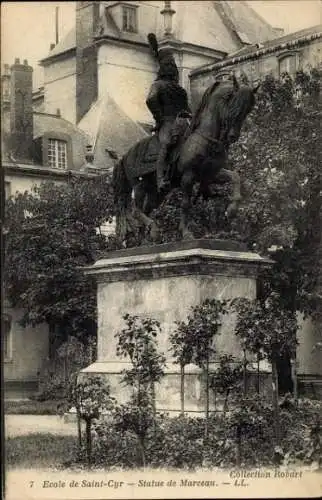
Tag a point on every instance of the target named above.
point(161, 220)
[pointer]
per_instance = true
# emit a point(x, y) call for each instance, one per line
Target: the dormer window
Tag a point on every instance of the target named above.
point(56, 149)
point(130, 19)
point(57, 154)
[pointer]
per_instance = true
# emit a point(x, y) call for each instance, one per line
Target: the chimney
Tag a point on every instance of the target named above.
point(167, 14)
point(89, 156)
point(5, 87)
point(21, 113)
point(57, 25)
point(87, 18)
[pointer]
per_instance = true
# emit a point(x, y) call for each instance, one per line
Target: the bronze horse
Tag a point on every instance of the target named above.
point(199, 156)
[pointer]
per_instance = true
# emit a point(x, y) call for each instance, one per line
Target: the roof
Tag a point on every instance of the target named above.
point(108, 126)
point(255, 51)
point(249, 26)
point(214, 34)
point(66, 44)
point(226, 26)
point(44, 123)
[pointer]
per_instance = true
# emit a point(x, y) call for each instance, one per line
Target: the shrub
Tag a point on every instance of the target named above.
point(70, 358)
point(91, 398)
point(177, 443)
point(242, 435)
point(112, 446)
point(302, 436)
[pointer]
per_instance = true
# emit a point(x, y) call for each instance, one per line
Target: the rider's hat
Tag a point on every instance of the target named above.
point(168, 69)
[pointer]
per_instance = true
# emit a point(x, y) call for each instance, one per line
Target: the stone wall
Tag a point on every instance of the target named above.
point(28, 349)
point(126, 73)
point(307, 56)
point(60, 88)
point(20, 182)
point(309, 357)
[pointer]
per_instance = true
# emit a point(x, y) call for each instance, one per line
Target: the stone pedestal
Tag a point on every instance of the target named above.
point(164, 282)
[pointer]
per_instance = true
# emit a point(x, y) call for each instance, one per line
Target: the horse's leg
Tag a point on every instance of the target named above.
point(187, 187)
point(234, 178)
point(140, 194)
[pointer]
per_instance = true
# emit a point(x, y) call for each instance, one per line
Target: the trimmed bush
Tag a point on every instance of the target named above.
point(241, 436)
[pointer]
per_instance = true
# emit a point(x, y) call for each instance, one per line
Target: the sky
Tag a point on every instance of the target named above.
point(28, 28)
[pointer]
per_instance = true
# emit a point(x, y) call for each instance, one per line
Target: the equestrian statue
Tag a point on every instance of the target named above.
point(184, 149)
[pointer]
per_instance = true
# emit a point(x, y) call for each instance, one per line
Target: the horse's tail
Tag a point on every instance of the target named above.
point(122, 190)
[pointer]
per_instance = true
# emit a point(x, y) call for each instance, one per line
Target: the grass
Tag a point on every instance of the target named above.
point(39, 450)
point(31, 407)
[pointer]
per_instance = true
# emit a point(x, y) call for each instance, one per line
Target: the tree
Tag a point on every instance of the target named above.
point(51, 232)
point(91, 397)
point(137, 342)
point(281, 212)
point(280, 168)
point(201, 326)
point(181, 346)
point(227, 377)
point(267, 331)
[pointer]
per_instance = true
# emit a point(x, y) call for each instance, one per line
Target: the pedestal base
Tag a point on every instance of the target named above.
point(168, 391)
point(163, 282)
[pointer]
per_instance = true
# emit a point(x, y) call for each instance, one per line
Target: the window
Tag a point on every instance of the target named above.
point(7, 344)
point(287, 64)
point(129, 19)
point(7, 190)
point(57, 154)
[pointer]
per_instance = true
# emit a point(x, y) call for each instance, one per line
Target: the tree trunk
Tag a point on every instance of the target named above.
point(89, 441)
point(226, 400)
point(275, 401)
point(294, 377)
point(142, 450)
point(182, 388)
point(65, 369)
point(284, 370)
point(258, 376)
point(245, 375)
point(153, 405)
point(79, 429)
point(238, 446)
point(207, 398)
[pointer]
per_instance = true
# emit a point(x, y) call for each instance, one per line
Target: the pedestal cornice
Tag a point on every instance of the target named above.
point(197, 257)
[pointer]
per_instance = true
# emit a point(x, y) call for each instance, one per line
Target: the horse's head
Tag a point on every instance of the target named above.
point(225, 106)
point(238, 107)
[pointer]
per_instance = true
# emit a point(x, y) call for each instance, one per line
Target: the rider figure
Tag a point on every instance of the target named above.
point(168, 103)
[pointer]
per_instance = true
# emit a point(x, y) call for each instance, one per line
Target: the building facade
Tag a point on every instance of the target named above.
point(291, 53)
point(100, 73)
point(36, 146)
